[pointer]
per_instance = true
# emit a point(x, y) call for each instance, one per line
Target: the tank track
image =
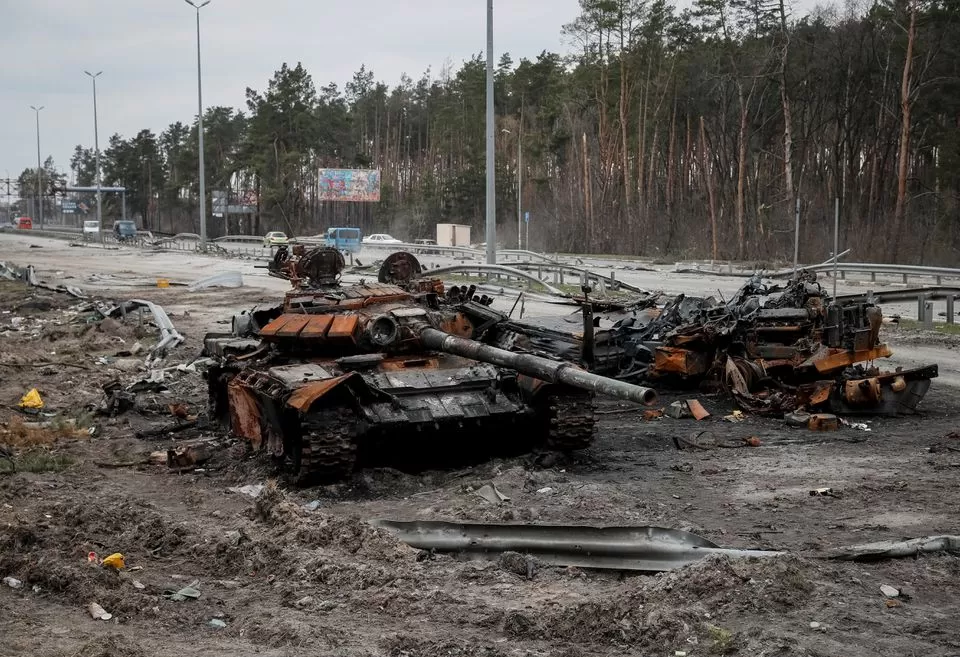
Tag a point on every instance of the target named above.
point(328, 449)
point(571, 421)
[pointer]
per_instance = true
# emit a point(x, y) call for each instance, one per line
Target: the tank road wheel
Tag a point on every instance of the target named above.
point(328, 449)
point(570, 419)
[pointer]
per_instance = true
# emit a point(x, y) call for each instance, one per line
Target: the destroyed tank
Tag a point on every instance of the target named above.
point(389, 372)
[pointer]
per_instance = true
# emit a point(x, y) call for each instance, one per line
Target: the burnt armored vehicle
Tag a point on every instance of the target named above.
point(774, 348)
point(377, 372)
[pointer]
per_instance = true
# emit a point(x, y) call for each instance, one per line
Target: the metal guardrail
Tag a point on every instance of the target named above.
point(924, 297)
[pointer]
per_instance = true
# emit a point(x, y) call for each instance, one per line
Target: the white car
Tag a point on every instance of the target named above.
point(380, 238)
point(275, 238)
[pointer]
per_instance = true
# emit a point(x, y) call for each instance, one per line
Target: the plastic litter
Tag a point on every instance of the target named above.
point(12, 582)
point(216, 622)
point(253, 490)
point(225, 279)
point(98, 613)
point(186, 593)
point(32, 400)
point(115, 560)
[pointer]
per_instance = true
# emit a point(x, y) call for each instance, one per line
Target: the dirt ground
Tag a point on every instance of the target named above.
point(280, 579)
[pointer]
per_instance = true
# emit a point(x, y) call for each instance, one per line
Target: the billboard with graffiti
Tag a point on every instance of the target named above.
point(349, 185)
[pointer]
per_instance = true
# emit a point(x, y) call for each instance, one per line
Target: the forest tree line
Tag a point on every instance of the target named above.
point(665, 133)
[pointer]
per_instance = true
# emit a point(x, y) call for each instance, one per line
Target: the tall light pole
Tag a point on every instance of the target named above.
point(39, 179)
point(96, 148)
point(203, 190)
point(491, 137)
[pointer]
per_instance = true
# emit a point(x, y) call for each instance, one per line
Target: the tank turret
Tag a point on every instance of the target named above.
point(392, 372)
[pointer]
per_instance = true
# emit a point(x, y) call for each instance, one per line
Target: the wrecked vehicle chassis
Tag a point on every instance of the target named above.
point(374, 373)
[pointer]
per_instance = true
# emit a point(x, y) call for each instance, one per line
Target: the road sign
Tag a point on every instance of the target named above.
point(69, 207)
point(526, 217)
point(219, 202)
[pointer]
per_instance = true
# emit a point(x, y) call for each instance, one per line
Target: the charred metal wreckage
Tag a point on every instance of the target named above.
point(341, 374)
point(774, 349)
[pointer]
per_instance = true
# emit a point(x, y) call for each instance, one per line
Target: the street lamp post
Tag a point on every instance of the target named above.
point(39, 179)
point(96, 148)
point(491, 136)
point(203, 191)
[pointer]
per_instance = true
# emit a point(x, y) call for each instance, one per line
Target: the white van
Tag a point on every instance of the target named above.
point(91, 229)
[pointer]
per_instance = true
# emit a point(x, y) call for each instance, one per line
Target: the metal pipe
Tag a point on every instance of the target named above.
point(544, 369)
point(491, 162)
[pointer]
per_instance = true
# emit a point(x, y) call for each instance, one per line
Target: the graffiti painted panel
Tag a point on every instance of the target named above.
point(349, 185)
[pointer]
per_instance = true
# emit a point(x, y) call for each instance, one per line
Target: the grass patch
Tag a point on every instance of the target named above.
point(723, 641)
point(21, 433)
point(939, 327)
point(36, 461)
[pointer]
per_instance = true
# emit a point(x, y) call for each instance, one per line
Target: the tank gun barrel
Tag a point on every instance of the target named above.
point(544, 369)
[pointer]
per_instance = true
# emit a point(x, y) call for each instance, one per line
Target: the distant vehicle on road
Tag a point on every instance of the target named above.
point(124, 230)
point(275, 238)
point(23, 223)
point(381, 238)
point(344, 239)
point(426, 242)
point(91, 230)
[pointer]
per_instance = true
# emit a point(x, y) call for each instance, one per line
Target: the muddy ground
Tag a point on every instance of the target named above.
point(285, 580)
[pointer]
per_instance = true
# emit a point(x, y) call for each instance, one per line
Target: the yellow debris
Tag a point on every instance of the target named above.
point(32, 400)
point(115, 560)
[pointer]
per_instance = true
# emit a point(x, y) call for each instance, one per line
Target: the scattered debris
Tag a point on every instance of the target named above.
point(823, 422)
point(225, 279)
point(797, 419)
point(97, 612)
point(189, 592)
point(12, 582)
point(889, 591)
point(31, 401)
point(697, 409)
point(252, 490)
point(115, 561)
point(649, 549)
point(652, 414)
point(678, 410)
point(491, 494)
point(735, 416)
point(899, 549)
point(824, 492)
point(217, 623)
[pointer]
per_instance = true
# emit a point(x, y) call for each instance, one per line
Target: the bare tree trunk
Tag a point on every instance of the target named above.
point(685, 169)
point(624, 145)
point(741, 172)
point(671, 153)
point(787, 120)
point(905, 107)
point(709, 182)
point(587, 202)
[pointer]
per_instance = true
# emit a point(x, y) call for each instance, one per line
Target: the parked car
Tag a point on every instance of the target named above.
point(275, 238)
point(91, 230)
point(23, 223)
point(124, 230)
point(381, 238)
point(426, 242)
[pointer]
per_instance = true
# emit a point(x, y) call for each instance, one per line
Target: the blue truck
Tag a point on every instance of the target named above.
point(346, 240)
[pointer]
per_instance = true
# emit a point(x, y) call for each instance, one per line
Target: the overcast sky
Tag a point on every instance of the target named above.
point(147, 52)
